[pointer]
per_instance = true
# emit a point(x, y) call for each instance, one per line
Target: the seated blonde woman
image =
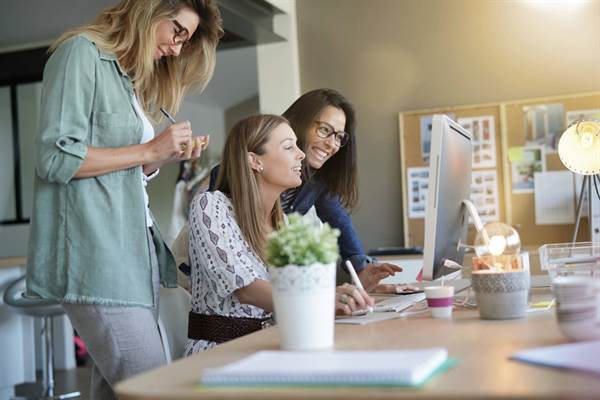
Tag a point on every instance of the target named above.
point(231, 289)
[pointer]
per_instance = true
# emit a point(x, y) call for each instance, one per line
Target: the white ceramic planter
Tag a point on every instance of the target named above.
point(304, 301)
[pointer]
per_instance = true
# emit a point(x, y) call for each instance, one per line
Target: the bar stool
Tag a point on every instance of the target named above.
point(46, 310)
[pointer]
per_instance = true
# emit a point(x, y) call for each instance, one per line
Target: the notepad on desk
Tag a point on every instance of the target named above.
point(329, 368)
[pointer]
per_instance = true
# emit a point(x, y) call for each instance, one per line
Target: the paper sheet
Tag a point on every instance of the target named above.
point(528, 161)
point(577, 115)
point(554, 200)
point(483, 130)
point(484, 194)
point(418, 184)
point(582, 356)
point(426, 123)
point(544, 123)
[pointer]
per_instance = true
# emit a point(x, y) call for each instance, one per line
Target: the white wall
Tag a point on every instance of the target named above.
point(278, 71)
point(205, 120)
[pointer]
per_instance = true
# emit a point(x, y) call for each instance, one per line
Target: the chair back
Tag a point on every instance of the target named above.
point(174, 307)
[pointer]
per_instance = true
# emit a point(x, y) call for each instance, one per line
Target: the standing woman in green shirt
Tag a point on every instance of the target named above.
point(94, 245)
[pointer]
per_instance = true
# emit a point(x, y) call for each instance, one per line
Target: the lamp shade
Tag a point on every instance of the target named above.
point(579, 147)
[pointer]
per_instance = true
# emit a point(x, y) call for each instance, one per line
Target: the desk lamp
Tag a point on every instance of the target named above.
point(497, 246)
point(579, 151)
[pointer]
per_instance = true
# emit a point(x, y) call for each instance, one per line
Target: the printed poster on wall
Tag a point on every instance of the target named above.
point(484, 194)
point(525, 162)
point(544, 123)
point(418, 184)
point(426, 123)
point(578, 115)
point(483, 130)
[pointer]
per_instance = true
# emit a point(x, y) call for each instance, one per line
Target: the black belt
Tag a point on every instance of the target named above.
point(220, 328)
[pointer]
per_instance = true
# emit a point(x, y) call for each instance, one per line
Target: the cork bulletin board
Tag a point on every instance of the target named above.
point(512, 128)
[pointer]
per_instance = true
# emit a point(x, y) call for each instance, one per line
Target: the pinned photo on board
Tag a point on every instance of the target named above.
point(579, 115)
point(483, 130)
point(418, 184)
point(543, 125)
point(426, 124)
point(525, 162)
point(484, 194)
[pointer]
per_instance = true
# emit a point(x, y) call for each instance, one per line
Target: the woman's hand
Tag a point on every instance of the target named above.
point(349, 298)
point(373, 273)
point(174, 143)
point(395, 289)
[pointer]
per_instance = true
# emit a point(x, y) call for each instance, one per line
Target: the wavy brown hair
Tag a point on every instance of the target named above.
point(339, 173)
point(128, 30)
point(238, 180)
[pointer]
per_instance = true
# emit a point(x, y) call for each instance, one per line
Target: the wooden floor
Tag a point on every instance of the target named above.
point(66, 381)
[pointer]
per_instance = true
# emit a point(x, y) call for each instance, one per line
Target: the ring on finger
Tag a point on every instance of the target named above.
point(344, 298)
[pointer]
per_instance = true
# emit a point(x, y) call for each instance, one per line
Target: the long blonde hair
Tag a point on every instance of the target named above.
point(128, 30)
point(238, 180)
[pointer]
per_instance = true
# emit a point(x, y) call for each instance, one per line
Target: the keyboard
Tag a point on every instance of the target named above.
point(395, 303)
point(398, 303)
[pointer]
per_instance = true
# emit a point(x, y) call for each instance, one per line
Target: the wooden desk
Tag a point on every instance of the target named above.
point(11, 262)
point(480, 347)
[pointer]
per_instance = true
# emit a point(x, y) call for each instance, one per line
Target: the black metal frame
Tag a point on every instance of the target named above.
point(19, 67)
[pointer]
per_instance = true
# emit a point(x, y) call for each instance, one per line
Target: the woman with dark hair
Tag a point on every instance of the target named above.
point(325, 123)
point(94, 245)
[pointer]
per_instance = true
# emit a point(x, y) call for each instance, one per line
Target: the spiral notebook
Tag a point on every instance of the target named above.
point(330, 368)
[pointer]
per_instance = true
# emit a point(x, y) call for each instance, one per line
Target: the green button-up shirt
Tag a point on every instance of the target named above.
point(88, 241)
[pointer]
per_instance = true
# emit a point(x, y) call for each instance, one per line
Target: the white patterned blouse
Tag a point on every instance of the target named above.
point(221, 262)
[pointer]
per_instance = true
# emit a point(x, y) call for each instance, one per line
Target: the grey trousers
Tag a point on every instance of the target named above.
point(122, 341)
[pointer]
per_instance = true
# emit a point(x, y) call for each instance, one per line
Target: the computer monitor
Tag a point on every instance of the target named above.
point(446, 219)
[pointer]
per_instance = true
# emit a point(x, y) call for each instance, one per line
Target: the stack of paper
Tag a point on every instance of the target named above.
point(348, 368)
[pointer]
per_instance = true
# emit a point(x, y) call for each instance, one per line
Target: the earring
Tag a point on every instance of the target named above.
point(261, 169)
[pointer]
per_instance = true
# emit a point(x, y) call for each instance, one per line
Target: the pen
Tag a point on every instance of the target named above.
point(169, 116)
point(356, 280)
point(203, 140)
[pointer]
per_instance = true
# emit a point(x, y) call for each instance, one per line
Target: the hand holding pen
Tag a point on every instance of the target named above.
point(351, 298)
point(177, 142)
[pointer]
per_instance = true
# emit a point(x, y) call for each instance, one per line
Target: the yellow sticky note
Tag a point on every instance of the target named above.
point(515, 154)
point(542, 304)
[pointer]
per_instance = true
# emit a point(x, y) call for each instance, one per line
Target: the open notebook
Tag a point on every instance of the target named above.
point(335, 368)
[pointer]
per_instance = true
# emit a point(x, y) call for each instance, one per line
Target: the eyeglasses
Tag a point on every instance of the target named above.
point(325, 130)
point(180, 34)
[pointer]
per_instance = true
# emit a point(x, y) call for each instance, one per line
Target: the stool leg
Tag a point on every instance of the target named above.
point(47, 358)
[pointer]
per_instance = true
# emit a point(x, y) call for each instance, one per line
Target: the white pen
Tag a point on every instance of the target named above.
point(356, 280)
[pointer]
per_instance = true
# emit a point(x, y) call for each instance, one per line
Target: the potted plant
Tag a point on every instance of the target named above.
point(302, 257)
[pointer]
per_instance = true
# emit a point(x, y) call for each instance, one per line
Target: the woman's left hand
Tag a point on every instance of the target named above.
point(199, 144)
point(373, 273)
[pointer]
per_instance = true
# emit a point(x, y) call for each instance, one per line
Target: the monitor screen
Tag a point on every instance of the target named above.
point(446, 220)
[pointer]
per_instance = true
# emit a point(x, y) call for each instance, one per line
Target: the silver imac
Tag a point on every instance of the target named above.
point(446, 219)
